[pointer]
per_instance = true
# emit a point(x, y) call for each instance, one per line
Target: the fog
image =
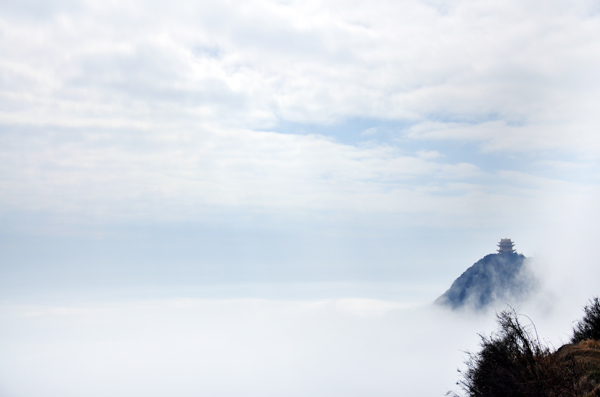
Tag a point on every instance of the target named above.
point(74, 345)
point(250, 347)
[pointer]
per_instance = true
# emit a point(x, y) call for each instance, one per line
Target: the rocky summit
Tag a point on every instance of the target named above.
point(499, 276)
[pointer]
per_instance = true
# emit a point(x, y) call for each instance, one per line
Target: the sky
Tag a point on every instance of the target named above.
point(265, 165)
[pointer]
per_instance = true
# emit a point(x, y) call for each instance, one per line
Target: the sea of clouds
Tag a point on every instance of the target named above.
point(188, 346)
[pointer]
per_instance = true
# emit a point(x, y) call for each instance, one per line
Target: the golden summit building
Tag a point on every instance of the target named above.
point(506, 246)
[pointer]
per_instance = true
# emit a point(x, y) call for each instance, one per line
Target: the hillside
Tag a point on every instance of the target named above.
point(495, 276)
point(514, 362)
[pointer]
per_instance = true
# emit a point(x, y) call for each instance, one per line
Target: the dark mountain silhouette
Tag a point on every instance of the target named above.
point(495, 276)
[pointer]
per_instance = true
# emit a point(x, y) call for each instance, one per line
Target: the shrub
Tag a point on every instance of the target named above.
point(513, 363)
point(506, 362)
point(589, 326)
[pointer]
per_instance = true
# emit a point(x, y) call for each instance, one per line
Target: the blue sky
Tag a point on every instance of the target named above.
point(295, 181)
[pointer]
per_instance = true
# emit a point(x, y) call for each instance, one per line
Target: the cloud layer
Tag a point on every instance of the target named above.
point(231, 347)
point(155, 111)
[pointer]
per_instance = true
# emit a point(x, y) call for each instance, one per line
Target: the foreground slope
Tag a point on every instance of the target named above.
point(514, 362)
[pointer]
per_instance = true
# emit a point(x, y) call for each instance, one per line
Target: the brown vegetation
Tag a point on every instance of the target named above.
point(514, 363)
point(586, 355)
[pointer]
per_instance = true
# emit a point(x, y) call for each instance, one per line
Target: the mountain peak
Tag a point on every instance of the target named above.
point(493, 277)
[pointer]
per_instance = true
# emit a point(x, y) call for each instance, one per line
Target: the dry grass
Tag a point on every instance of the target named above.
point(586, 356)
point(513, 362)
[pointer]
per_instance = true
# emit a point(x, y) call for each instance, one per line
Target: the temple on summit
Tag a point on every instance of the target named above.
point(501, 278)
point(506, 246)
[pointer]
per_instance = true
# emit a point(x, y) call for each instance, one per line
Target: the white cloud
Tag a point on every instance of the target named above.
point(256, 347)
point(369, 131)
point(501, 136)
point(153, 173)
point(204, 79)
point(250, 64)
point(134, 111)
point(232, 347)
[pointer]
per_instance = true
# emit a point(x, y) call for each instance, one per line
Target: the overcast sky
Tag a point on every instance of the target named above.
point(238, 198)
point(281, 141)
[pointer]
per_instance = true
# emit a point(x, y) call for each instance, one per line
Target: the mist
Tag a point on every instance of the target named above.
point(185, 347)
point(84, 344)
